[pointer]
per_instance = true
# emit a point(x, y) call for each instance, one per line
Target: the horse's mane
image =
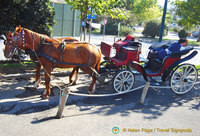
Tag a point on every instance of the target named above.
point(41, 36)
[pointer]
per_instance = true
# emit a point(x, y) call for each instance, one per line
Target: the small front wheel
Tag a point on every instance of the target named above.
point(183, 78)
point(123, 81)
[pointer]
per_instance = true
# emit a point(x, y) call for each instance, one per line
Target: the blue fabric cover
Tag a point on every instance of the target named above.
point(175, 47)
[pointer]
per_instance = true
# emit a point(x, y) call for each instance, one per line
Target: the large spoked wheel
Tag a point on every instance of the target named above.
point(123, 81)
point(183, 78)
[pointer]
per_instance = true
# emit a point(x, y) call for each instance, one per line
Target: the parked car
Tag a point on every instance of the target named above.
point(195, 34)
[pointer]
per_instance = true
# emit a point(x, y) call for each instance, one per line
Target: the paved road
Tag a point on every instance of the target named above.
point(23, 113)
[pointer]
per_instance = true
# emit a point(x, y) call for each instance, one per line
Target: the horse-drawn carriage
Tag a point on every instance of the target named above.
point(120, 68)
point(126, 62)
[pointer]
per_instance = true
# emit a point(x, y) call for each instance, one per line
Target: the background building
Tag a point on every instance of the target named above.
point(67, 21)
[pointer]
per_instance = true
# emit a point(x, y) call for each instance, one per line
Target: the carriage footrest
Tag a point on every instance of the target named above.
point(152, 72)
point(118, 62)
point(101, 79)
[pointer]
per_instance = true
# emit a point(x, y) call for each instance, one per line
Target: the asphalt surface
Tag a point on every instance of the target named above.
point(22, 112)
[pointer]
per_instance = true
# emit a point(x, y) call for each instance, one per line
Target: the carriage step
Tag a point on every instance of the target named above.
point(101, 79)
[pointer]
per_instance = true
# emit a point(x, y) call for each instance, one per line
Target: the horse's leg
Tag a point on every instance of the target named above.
point(37, 75)
point(47, 75)
point(92, 74)
point(92, 87)
point(76, 77)
point(75, 69)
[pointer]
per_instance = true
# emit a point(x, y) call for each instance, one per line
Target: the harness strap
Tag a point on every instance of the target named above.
point(23, 38)
point(55, 61)
point(39, 53)
point(63, 44)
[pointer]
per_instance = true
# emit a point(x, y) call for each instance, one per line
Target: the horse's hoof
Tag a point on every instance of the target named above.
point(30, 88)
point(44, 97)
point(91, 92)
point(72, 83)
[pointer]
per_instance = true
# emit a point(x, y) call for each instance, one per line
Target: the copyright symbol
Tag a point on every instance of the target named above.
point(124, 130)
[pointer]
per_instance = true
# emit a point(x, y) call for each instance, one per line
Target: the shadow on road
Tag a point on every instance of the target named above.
point(17, 101)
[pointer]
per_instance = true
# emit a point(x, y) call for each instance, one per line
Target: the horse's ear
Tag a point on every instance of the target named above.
point(18, 28)
point(10, 34)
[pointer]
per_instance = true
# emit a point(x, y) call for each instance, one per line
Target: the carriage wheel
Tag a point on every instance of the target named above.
point(183, 78)
point(123, 81)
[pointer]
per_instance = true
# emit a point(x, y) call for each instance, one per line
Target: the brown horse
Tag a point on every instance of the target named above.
point(11, 49)
point(84, 55)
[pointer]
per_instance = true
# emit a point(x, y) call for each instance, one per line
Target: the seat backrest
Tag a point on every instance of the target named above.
point(163, 44)
point(180, 53)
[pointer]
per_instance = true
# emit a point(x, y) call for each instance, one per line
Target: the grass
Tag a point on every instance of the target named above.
point(18, 65)
point(14, 67)
point(190, 42)
point(197, 67)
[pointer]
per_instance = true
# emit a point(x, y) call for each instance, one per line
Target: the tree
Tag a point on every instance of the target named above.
point(188, 11)
point(146, 10)
point(152, 29)
point(36, 15)
point(107, 7)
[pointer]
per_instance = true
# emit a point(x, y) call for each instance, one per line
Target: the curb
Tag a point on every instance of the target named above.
point(25, 75)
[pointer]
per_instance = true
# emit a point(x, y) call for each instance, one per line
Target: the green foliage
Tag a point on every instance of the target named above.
point(111, 27)
point(125, 30)
point(110, 7)
point(182, 34)
point(36, 15)
point(145, 10)
point(188, 10)
point(175, 29)
point(151, 29)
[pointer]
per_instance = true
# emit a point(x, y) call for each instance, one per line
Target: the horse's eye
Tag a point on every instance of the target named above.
point(9, 43)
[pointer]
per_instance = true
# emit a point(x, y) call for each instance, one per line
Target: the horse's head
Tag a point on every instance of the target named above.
point(27, 39)
point(10, 47)
point(18, 37)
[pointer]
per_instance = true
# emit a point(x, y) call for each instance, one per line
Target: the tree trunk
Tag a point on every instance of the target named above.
point(81, 30)
point(90, 27)
point(199, 36)
point(85, 19)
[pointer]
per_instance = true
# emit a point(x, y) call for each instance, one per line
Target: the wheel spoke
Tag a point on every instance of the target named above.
point(128, 80)
point(123, 81)
point(183, 79)
point(124, 87)
point(188, 72)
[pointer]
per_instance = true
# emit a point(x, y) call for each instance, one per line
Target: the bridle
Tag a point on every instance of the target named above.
point(17, 36)
point(12, 45)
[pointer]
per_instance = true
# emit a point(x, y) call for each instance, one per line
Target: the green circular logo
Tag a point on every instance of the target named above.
point(115, 130)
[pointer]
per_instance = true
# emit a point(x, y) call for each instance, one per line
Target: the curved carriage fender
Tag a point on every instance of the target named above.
point(142, 70)
point(167, 72)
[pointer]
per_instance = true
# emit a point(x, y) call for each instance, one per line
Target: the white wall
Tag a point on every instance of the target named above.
point(2, 46)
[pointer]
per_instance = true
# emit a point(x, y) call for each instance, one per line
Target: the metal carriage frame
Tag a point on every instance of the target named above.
point(180, 76)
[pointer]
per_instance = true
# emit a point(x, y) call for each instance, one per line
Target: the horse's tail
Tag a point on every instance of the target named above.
point(97, 67)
